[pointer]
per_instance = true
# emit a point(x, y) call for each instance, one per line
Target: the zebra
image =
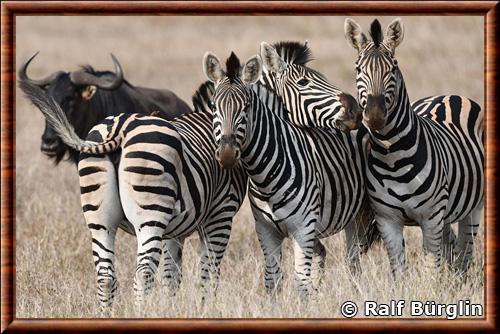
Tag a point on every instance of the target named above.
point(313, 102)
point(300, 186)
point(426, 163)
point(167, 184)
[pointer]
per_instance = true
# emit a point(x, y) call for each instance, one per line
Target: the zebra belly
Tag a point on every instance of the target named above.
point(340, 179)
point(292, 216)
point(341, 199)
point(455, 125)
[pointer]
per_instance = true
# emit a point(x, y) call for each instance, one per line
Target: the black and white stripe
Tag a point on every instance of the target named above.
point(426, 162)
point(311, 101)
point(167, 185)
point(304, 183)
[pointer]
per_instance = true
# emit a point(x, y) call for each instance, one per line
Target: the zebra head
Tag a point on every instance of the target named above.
point(309, 97)
point(377, 74)
point(231, 102)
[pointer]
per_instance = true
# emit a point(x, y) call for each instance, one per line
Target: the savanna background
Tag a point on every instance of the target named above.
point(55, 275)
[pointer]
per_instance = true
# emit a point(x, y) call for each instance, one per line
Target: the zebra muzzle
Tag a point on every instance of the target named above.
point(375, 112)
point(228, 153)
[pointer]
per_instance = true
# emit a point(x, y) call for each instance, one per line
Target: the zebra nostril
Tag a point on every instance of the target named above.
point(217, 154)
point(340, 125)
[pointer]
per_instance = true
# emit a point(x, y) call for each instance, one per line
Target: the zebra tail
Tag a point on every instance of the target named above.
point(57, 119)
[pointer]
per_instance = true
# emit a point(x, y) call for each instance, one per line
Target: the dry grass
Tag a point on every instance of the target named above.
point(55, 275)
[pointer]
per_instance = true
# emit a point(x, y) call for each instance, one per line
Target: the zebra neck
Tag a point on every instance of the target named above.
point(402, 128)
point(316, 110)
point(265, 134)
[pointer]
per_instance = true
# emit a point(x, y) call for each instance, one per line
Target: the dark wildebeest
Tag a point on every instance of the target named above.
point(88, 96)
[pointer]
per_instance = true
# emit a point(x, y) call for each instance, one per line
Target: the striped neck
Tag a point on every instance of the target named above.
point(312, 106)
point(264, 130)
point(402, 127)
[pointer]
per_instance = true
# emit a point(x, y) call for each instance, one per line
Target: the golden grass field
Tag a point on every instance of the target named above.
point(55, 275)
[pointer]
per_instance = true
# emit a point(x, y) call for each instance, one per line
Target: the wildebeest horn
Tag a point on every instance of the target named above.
point(84, 78)
point(21, 73)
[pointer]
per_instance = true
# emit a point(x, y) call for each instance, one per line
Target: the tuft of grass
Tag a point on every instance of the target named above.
point(55, 276)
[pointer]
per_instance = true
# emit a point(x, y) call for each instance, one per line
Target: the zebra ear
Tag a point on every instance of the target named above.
point(212, 67)
point(252, 70)
point(354, 35)
point(394, 34)
point(271, 59)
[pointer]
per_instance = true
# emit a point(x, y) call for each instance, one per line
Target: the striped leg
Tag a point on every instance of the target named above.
point(149, 228)
point(432, 235)
point(467, 230)
point(270, 241)
point(392, 234)
point(448, 243)
point(214, 238)
point(318, 265)
point(148, 192)
point(353, 249)
point(360, 235)
point(103, 244)
point(172, 266)
point(149, 240)
point(103, 214)
point(303, 253)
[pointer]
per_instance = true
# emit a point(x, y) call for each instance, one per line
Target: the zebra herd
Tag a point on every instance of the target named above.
point(314, 161)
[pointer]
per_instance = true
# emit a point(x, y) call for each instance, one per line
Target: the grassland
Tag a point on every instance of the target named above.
point(54, 272)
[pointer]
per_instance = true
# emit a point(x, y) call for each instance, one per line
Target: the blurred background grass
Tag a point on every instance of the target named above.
point(55, 276)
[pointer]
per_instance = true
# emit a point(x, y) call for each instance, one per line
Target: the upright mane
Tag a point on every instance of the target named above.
point(233, 67)
point(202, 98)
point(294, 52)
point(376, 32)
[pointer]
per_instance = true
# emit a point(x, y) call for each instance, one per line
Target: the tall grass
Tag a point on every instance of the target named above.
point(55, 276)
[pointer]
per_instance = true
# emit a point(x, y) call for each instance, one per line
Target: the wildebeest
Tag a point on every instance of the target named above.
point(88, 96)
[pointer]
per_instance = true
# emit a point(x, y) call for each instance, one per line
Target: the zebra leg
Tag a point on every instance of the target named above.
point(149, 242)
point(432, 235)
point(214, 238)
point(318, 265)
point(392, 234)
point(270, 241)
point(303, 254)
point(366, 227)
point(467, 230)
point(353, 243)
point(448, 243)
point(103, 213)
point(172, 266)
point(360, 235)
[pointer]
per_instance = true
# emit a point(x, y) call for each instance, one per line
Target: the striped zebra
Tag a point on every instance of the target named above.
point(313, 102)
point(300, 185)
point(167, 185)
point(426, 162)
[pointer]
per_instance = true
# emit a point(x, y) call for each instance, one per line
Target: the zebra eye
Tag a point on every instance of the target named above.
point(358, 69)
point(303, 82)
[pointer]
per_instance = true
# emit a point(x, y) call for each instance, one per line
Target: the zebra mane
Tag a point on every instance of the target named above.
point(294, 52)
point(376, 32)
point(233, 67)
point(202, 98)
